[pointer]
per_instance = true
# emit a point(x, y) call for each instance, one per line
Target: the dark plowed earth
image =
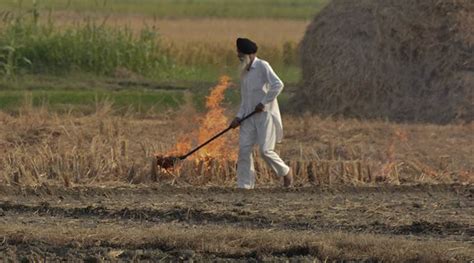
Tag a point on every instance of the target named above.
point(440, 213)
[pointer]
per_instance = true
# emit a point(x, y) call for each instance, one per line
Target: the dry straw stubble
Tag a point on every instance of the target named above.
point(399, 60)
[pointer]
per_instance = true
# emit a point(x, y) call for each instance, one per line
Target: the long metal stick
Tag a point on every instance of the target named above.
point(214, 137)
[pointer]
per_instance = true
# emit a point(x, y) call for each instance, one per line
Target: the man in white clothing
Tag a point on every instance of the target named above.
point(260, 87)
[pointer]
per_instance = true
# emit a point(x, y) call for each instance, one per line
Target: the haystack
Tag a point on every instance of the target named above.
point(401, 60)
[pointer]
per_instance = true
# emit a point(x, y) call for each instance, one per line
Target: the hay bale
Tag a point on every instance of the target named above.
point(402, 60)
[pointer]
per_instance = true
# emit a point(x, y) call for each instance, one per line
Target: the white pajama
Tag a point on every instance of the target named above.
point(259, 85)
point(260, 130)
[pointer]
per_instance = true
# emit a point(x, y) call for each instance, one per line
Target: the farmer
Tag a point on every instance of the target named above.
point(260, 87)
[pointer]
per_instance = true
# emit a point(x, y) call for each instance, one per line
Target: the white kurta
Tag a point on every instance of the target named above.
point(259, 85)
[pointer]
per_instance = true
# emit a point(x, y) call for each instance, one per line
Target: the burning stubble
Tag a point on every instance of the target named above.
point(210, 124)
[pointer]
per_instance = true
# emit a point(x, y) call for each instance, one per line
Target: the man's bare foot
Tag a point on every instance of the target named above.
point(288, 179)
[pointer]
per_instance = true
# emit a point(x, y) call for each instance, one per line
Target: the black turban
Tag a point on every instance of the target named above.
point(246, 46)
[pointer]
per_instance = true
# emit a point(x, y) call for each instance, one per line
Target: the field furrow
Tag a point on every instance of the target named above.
point(132, 223)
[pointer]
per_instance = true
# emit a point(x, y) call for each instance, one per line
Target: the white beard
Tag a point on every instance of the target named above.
point(244, 64)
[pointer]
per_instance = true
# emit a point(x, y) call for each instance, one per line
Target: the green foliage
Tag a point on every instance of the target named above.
point(26, 45)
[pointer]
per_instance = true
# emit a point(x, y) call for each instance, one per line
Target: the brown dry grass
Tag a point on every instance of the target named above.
point(265, 31)
point(236, 241)
point(204, 41)
point(39, 147)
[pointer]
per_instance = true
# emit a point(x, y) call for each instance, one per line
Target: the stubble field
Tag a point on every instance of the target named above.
point(81, 188)
point(131, 223)
point(80, 128)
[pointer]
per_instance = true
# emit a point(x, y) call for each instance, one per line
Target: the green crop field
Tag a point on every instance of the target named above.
point(152, 41)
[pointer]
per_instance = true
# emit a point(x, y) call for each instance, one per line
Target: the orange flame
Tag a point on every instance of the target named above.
point(212, 123)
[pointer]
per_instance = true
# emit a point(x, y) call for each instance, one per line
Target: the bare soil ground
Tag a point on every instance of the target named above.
point(426, 223)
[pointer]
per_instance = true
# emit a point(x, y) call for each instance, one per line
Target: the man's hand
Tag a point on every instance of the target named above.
point(260, 107)
point(235, 123)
